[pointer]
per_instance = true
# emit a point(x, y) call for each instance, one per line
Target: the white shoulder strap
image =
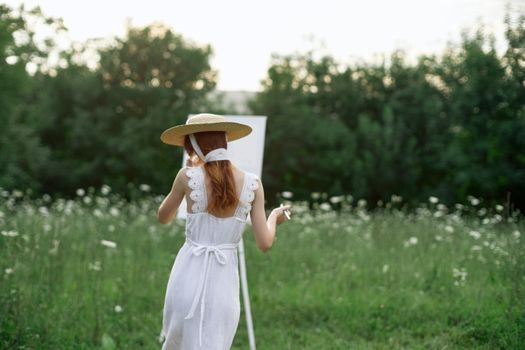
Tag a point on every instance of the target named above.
point(247, 194)
point(198, 189)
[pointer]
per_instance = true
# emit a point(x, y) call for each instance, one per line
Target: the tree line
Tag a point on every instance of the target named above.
point(451, 125)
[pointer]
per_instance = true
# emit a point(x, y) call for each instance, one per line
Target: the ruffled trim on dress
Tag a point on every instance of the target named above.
point(197, 194)
point(199, 197)
point(248, 194)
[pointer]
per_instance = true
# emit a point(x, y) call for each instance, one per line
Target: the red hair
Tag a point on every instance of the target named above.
point(220, 173)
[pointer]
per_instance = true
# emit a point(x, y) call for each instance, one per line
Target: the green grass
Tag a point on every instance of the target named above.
point(348, 281)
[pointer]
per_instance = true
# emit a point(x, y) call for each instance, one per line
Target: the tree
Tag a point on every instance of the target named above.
point(450, 125)
point(22, 155)
point(103, 125)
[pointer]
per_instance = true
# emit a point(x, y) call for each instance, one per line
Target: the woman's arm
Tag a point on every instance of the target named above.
point(265, 229)
point(168, 208)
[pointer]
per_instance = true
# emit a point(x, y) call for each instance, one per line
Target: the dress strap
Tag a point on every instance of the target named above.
point(197, 185)
point(247, 195)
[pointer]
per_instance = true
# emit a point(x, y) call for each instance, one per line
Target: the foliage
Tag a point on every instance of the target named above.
point(102, 125)
point(22, 155)
point(450, 125)
point(91, 273)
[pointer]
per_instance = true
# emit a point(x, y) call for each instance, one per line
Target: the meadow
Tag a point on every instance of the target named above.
point(91, 273)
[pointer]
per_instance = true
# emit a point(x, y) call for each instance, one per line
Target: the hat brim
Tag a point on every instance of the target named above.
point(175, 135)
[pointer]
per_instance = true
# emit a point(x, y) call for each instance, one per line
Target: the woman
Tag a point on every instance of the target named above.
point(201, 307)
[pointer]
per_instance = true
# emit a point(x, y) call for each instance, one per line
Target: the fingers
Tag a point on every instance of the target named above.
point(283, 211)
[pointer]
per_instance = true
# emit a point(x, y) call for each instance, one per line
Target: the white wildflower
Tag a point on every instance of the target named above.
point(395, 198)
point(10, 233)
point(9, 271)
point(145, 187)
point(449, 228)
point(516, 234)
point(363, 215)
point(497, 218)
point(433, 199)
point(410, 241)
point(114, 211)
point(87, 200)
point(98, 213)
point(107, 243)
point(44, 211)
point(473, 200)
point(460, 276)
point(54, 249)
point(105, 189)
point(499, 250)
point(81, 192)
point(118, 308)
point(111, 228)
point(361, 203)
point(101, 202)
point(441, 207)
point(325, 206)
point(475, 234)
point(287, 194)
point(385, 268)
point(95, 266)
point(499, 207)
point(315, 195)
point(336, 199)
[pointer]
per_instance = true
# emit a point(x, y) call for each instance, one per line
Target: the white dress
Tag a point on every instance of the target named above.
point(202, 307)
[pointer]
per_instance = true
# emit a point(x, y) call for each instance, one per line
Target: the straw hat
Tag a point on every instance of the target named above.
point(204, 122)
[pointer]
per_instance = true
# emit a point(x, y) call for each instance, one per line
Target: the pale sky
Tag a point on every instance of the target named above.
point(244, 34)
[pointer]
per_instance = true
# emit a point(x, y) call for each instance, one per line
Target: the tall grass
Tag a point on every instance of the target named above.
point(91, 273)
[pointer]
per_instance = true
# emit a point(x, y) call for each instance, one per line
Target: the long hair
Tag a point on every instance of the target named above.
point(219, 172)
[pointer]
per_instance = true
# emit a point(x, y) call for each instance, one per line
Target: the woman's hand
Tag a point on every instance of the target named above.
point(279, 213)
